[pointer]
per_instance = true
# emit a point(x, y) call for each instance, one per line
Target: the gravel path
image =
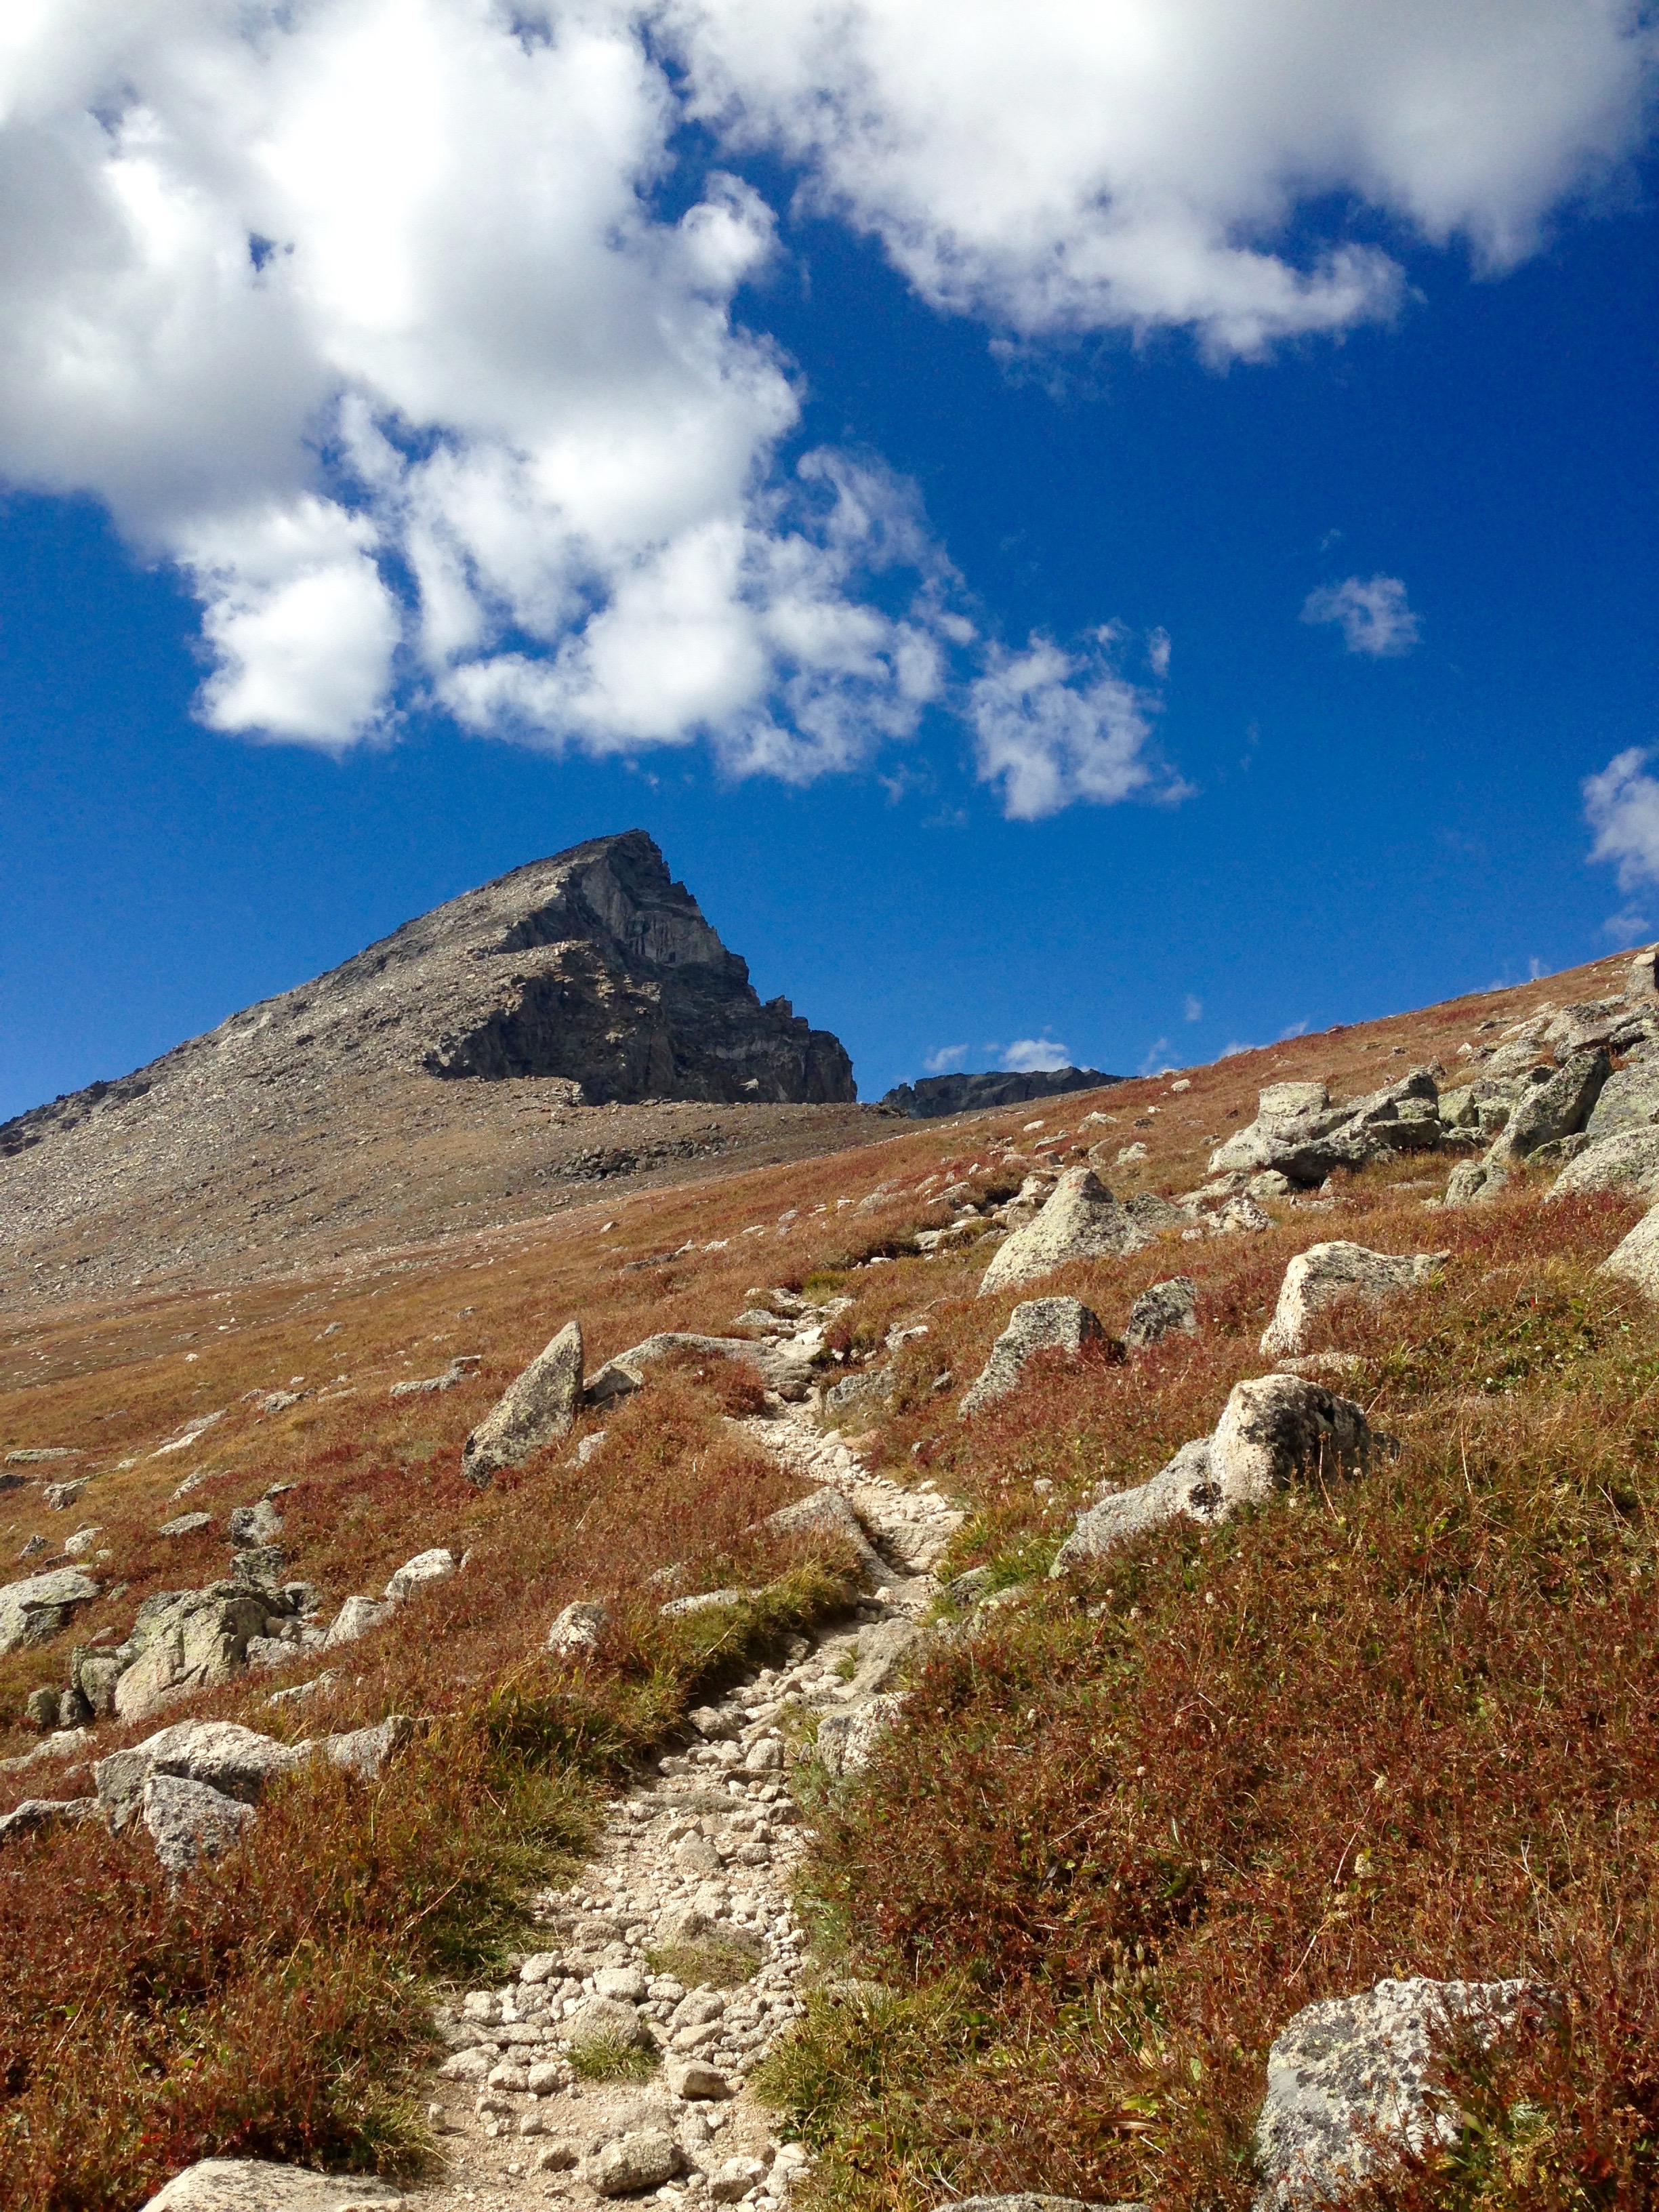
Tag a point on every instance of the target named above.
point(680, 1928)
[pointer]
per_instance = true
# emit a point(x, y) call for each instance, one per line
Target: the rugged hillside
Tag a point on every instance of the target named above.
point(960, 1678)
point(528, 1039)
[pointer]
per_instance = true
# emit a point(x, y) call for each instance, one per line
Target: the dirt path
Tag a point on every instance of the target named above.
point(682, 1923)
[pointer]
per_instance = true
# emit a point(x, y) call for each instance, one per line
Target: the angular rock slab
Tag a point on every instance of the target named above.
point(1278, 1429)
point(1348, 2081)
point(434, 1566)
point(535, 1410)
point(780, 1368)
point(254, 2184)
point(1039, 1325)
point(1544, 1114)
point(1080, 1220)
point(1325, 1273)
point(1184, 1489)
point(827, 1513)
point(36, 1608)
point(1635, 1259)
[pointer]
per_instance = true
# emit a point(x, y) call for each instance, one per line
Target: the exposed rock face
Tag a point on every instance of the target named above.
point(387, 1095)
point(935, 1096)
point(1349, 2083)
point(1325, 1273)
point(593, 966)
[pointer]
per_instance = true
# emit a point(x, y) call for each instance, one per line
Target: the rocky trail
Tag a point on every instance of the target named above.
point(679, 1934)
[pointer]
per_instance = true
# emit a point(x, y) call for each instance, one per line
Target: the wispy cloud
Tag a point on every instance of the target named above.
point(1053, 727)
point(1626, 928)
point(1374, 616)
point(1028, 1056)
point(947, 1057)
point(1622, 805)
point(1154, 1062)
point(1194, 1009)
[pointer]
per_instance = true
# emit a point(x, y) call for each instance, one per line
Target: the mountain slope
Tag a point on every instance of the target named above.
point(563, 1025)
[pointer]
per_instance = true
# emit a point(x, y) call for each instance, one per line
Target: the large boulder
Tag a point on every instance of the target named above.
point(1039, 1325)
point(535, 1410)
point(642, 2159)
point(181, 1641)
point(780, 1366)
point(1161, 1310)
point(1184, 1489)
point(189, 1822)
point(255, 2184)
point(34, 1610)
point(1351, 2086)
point(1278, 1429)
point(237, 1762)
point(607, 2020)
point(1628, 1161)
point(1080, 1220)
point(1326, 1274)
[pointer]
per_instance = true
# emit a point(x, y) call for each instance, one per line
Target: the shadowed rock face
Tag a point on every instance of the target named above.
point(936, 1094)
point(606, 974)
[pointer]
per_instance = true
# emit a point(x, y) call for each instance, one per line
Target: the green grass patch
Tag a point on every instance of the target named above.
point(609, 2058)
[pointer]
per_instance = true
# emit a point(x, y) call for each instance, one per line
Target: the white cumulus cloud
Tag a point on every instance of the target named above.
point(1622, 805)
point(400, 330)
point(1081, 166)
point(947, 1057)
point(1373, 612)
point(1030, 1055)
point(1051, 727)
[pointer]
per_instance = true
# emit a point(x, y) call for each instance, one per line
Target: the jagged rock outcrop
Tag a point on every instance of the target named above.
point(1301, 1135)
point(935, 1096)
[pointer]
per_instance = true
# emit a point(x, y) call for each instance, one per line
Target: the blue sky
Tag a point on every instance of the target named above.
point(1150, 564)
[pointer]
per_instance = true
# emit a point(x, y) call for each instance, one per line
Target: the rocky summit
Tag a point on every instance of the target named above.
point(395, 1093)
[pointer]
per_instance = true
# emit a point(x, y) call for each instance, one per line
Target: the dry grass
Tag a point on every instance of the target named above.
point(1412, 1727)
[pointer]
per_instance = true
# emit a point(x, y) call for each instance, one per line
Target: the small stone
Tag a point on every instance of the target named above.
point(425, 1567)
point(557, 2158)
point(643, 2160)
point(693, 2078)
point(734, 2179)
